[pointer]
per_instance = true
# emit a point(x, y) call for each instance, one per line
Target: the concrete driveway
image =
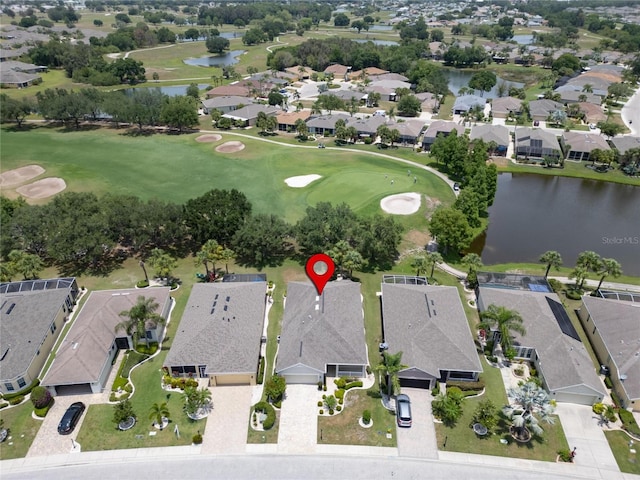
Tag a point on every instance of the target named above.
point(581, 428)
point(298, 431)
point(228, 422)
point(419, 440)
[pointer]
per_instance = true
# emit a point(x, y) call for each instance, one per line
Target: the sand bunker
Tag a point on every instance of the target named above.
point(20, 175)
point(211, 137)
point(230, 147)
point(401, 204)
point(42, 188)
point(302, 180)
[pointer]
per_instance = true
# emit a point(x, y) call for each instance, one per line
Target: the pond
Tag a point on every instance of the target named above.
point(524, 39)
point(381, 28)
point(172, 91)
point(460, 78)
point(376, 42)
point(229, 58)
point(535, 213)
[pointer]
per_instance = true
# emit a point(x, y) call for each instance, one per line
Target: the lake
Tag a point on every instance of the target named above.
point(535, 213)
point(376, 42)
point(524, 39)
point(229, 58)
point(460, 78)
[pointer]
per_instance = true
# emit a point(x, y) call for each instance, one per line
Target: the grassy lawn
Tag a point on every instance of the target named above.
point(176, 168)
point(22, 429)
point(343, 427)
point(572, 169)
point(267, 436)
point(98, 432)
point(619, 443)
point(461, 438)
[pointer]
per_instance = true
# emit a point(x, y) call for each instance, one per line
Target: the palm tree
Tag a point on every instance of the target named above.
point(29, 265)
point(196, 399)
point(159, 413)
point(589, 260)
point(353, 261)
point(473, 262)
point(552, 259)
point(528, 399)
point(504, 321)
point(420, 264)
point(391, 366)
point(144, 270)
point(338, 254)
point(609, 266)
point(587, 88)
point(226, 255)
point(433, 258)
point(136, 319)
point(580, 274)
point(162, 262)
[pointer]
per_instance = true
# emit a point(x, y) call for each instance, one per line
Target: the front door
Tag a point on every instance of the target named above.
point(201, 371)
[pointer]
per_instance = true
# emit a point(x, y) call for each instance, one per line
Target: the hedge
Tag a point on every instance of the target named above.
point(261, 371)
point(17, 400)
point(266, 408)
point(607, 382)
point(42, 412)
point(467, 386)
point(357, 383)
point(339, 393)
point(629, 422)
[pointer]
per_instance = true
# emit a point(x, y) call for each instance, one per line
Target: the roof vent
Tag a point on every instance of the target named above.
point(10, 309)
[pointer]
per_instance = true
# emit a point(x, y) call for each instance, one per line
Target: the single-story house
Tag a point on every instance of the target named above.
point(322, 335)
point(409, 131)
point(622, 144)
point(249, 113)
point(387, 94)
point(550, 343)
point(347, 95)
point(440, 127)
point(541, 109)
point(33, 315)
point(592, 113)
point(428, 325)
point(367, 72)
point(390, 84)
point(466, 103)
point(613, 328)
point(225, 104)
point(303, 73)
point(536, 143)
point(220, 333)
point(367, 127)
point(16, 74)
point(499, 134)
point(503, 106)
point(338, 71)
point(325, 125)
point(85, 356)
point(573, 96)
point(428, 102)
point(287, 120)
point(388, 76)
point(578, 146)
point(231, 90)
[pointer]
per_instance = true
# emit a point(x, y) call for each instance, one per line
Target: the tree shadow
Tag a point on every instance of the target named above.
point(83, 127)
point(145, 132)
point(25, 127)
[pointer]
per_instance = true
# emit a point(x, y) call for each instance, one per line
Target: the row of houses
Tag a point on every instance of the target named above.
point(221, 334)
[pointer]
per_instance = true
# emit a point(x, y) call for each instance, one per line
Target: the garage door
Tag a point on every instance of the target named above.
point(80, 389)
point(565, 397)
point(232, 380)
point(415, 383)
point(306, 379)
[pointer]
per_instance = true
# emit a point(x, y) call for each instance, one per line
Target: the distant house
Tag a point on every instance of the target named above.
point(33, 315)
point(367, 127)
point(287, 120)
point(440, 127)
point(322, 336)
point(14, 74)
point(429, 102)
point(85, 356)
point(592, 113)
point(573, 96)
point(387, 76)
point(248, 115)
point(466, 103)
point(340, 72)
point(220, 333)
point(303, 73)
point(550, 343)
point(502, 107)
point(232, 90)
point(325, 125)
point(225, 104)
point(367, 72)
point(347, 95)
point(499, 134)
point(536, 143)
point(409, 131)
point(622, 144)
point(541, 109)
point(387, 94)
point(578, 146)
point(613, 328)
point(428, 325)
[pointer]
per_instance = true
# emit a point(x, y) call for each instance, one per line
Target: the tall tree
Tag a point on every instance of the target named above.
point(391, 366)
point(264, 240)
point(504, 321)
point(163, 263)
point(137, 317)
point(552, 259)
point(419, 262)
point(609, 266)
point(180, 112)
point(27, 264)
point(433, 259)
point(159, 412)
point(451, 229)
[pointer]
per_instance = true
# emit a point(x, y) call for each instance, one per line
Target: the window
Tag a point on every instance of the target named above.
point(21, 382)
point(54, 327)
point(9, 387)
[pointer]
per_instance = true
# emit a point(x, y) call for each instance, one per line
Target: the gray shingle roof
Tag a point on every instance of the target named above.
point(623, 144)
point(584, 142)
point(544, 107)
point(249, 112)
point(225, 338)
point(23, 329)
point(227, 101)
point(325, 330)
point(618, 323)
point(564, 361)
point(467, 102)
point(442, 126)
point(86, 347)
point(489, 133)
point(429, 326)
point(327, 121)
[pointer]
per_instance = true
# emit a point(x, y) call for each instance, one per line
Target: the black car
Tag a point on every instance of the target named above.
point(70, 418)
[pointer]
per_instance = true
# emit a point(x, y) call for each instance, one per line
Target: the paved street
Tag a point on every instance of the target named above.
point(228, 422)
point(298, 430)
point(419, 440)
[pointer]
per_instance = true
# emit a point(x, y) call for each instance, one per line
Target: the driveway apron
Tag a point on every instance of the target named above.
point(298, 431)
point(228, 422)
point(419, 440)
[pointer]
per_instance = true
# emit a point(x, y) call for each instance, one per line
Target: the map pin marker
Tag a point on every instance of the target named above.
point(319, 269)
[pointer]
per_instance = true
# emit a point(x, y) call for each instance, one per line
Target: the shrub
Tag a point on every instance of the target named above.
point(40, 397)
point(574, 294)
point(340, 401)
point(3, 405)
point(555, 285)
point(436, 390)
point(42, 412)
point(533, 372)
point(368, 141)
point(493, 359)
point(339, 393)
point(277, 403)
point(366, 417)
point(628, 422)
point(197, 439)
point(23, 392)
point(324, 388)
point(616, 399)
point(340, 382)
point(128, 388)
point(608, 383)
point(261, 371)
point(331, 411)
point(113, 397)
point(320, 403)
point(467, 386)
point(17, 400)
point(598, 408)
point(122, 411)
point(488, 348)
point(142, 284)
point(267, 409)
point(119, 382)
point(353, 385)
point(565, 455)
point(321, 412)
point(338, 408)
point(275, 387)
